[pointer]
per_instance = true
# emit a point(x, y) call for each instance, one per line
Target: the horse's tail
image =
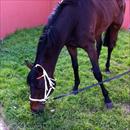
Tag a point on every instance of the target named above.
point(111, 33)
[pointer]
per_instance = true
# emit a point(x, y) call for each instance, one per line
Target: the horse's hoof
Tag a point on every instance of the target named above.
point(109, 105)
point(75, 92)
point(107, 71)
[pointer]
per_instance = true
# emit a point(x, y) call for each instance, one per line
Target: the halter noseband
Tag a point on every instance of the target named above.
point(47, 89)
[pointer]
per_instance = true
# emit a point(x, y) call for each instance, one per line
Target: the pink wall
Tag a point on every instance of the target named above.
point(126, 23)
point(17, 14)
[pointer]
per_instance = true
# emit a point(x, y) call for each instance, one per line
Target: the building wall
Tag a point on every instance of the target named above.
point(126, 23)
point(18, 14)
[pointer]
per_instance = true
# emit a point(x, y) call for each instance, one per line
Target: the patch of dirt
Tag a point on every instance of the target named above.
point(3, 125)
point(126, 108)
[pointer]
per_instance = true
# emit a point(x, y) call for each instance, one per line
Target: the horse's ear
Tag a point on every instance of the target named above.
point(28, 64)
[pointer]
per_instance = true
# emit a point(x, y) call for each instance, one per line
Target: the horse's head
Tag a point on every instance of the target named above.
point(41, 86)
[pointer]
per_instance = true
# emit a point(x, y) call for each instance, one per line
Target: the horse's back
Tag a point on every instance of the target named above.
point(97, 15)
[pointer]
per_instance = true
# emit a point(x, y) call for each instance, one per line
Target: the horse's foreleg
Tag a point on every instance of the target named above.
point(73, 53)
point(92, 53)
point(108, 60)
point(99, 45)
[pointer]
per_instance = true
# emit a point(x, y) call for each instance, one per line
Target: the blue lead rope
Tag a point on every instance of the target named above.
point(91, 86)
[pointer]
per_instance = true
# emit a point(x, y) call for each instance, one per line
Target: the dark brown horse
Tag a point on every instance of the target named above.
point(74, 23)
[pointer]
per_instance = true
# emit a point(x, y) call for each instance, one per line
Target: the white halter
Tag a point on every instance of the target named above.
point(47, 89)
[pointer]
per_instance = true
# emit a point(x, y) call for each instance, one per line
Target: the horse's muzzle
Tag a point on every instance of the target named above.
point(37, 107)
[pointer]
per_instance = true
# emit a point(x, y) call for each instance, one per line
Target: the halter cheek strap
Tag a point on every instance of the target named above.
point(48, 88)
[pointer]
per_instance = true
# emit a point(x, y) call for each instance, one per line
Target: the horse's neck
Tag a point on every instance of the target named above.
point(48, 51)
point(58, 35)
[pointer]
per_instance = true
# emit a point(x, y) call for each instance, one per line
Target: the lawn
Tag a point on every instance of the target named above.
point(85, 111)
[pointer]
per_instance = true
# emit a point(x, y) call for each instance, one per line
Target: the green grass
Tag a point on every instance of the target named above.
point(84, 111)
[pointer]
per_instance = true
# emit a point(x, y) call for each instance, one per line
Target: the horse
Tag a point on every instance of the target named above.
point(74, 24)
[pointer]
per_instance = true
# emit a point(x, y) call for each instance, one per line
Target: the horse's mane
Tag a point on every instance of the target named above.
point(54, 15)
point(50, 35)
point(58, 9)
